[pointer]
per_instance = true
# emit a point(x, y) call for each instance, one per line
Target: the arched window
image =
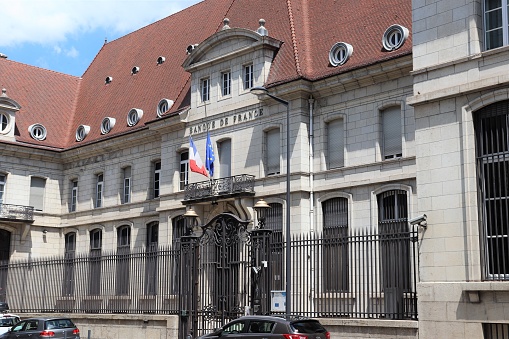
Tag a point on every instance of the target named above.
point(274, 222)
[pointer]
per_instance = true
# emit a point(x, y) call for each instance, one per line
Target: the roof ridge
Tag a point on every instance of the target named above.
point(294, 38)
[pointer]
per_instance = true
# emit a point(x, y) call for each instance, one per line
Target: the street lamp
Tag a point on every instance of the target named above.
point(261, 208)
point(263, 91)
point(190, 217)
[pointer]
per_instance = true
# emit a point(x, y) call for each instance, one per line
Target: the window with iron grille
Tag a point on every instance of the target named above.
point(184, 170)
point(151, 258)
point(335, 245)
point(94, 271)
point(126, 187)
point(37, 186)
point(123, 260)
point(274, 222)
point(99, 186)
point(491, 125)
point(156, 178)
point(248, 76)
point(335, 144)
point(496, 23)
point(395, 257)
point(5, 254)
point(69, 264)
point(495, 331)
point(179, 230)
point(391, 133)
point(74, 195)
point(2, 187)
point(273, 153)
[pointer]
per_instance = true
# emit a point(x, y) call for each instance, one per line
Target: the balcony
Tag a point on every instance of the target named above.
point(16, 213)
point(219, 189)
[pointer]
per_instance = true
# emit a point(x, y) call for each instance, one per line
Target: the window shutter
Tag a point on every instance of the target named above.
point(273, 152)
point(391, 130)
point(37, 193)
point(225, 158)
point(335, 143)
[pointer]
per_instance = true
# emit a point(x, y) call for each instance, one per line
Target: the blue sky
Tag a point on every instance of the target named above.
point(65, 35)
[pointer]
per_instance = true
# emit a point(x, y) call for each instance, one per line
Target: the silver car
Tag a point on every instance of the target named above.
point(35, 328)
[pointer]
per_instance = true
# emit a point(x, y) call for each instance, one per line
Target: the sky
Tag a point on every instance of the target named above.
point(66, 35)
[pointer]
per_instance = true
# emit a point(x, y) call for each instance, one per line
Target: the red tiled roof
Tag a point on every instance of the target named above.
point(308, 31)
point(45, 97)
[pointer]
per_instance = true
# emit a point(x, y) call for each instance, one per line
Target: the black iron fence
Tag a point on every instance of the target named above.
point(363, 274)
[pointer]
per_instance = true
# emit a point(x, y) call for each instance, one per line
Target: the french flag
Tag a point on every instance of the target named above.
point(195, 163)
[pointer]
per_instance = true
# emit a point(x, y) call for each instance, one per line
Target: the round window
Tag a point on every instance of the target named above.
point(134, 116)
point(107, 124)
point(164, 106)
point(340, 53)
point(37, 131)
point(394, 37)
point(81, 132)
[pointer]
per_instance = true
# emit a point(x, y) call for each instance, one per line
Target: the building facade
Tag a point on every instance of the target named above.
point(392, 117)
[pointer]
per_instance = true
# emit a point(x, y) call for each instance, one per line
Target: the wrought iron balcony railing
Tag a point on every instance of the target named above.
point(220, 188)
point(17, 212)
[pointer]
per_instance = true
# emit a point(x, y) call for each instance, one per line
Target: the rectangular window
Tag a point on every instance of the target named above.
point(273, 146)
point(226, 83)
point(335, 144)
point(184, 170)
point(99, 187)
point(74, 196)
point(126, 189)
point(2, 188)
point(151, 258)
point(205, 89)
point(391, 133)
point(274, 222)
point(248, 76)
point(225, 162)
point(157, 178)
point(496, 23)
point(37, 193)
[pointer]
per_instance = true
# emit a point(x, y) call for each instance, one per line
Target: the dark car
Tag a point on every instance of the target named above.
point(4, 306)
point(35, 328)
point(271, 327)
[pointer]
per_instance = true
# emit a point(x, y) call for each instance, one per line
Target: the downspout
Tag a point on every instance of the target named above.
point(311, 101)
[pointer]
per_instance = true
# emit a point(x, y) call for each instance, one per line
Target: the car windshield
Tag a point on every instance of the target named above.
point(308, 326)
point(7, 322)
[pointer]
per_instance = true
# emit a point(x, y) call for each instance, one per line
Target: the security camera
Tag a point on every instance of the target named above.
point(419, 220)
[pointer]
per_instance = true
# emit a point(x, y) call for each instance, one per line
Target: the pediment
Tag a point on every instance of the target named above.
point(225, 44)
point(7, 103)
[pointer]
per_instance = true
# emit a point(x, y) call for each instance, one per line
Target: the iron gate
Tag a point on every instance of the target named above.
point(217, 268)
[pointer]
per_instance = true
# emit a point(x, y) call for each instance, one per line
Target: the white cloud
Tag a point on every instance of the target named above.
point(49, 22)
point(72, 52)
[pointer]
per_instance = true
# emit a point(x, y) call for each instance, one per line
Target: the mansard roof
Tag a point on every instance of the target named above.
point(307, 30)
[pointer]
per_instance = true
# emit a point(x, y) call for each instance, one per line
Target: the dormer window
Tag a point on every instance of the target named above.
point(134, 116)
point(205, 89)
point(81, 132)
point(37, 132)
point(164, 106)
point(135, 70)
point(107, 124)
point(340, 53)
point(4, 123)
point(394, 37)
point(160, 60)
point(108, 80)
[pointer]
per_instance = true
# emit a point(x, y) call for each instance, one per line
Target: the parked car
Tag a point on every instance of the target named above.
point(8, 320)
point(4, 306)
point(35, 328)
point(271, 327)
